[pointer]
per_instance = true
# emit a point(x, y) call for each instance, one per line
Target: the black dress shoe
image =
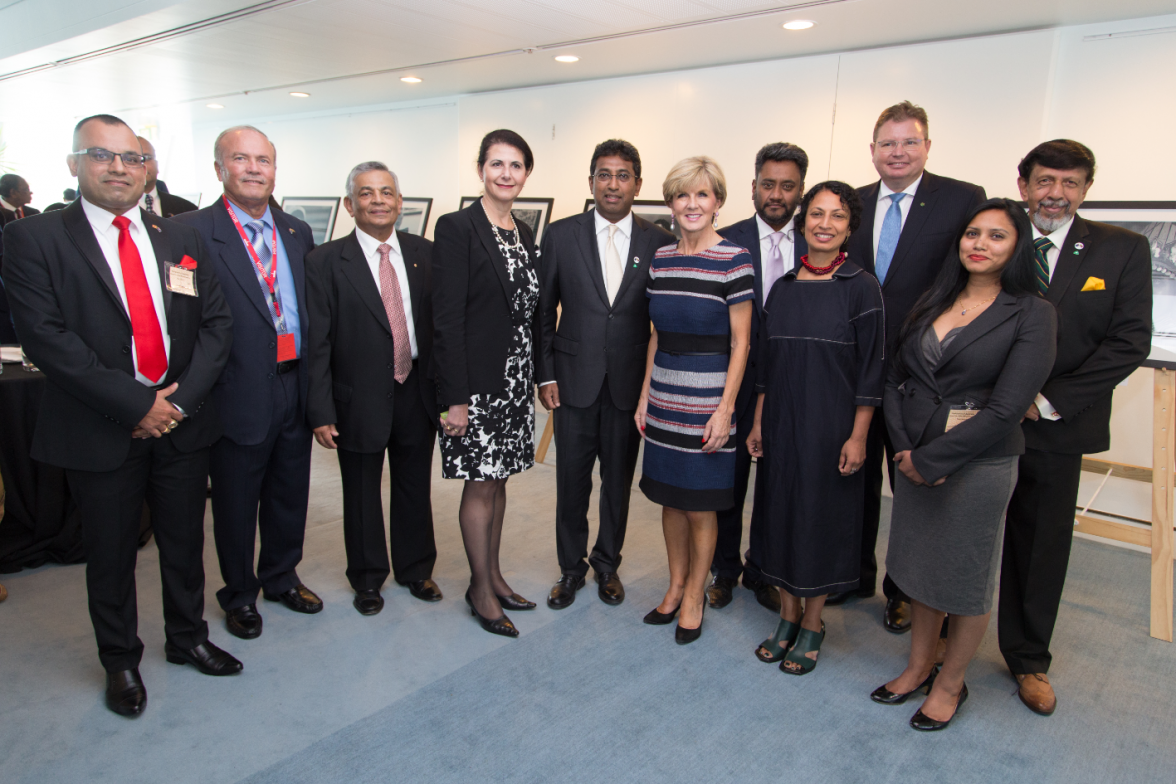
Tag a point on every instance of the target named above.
point(687, 636)
point(655, 618)
point(841, 597)
point(885, 696)
point(205, 657)
point(368, 601)
point(897, 617)
point(299, 599)
point(924, 723)
point(563, 593)
point(125, 693)
point(425, 590)
point(718, 593)
point(515, 602)
point(610, 591)
point(243, 622)
point(501, 625)
point(765, 593)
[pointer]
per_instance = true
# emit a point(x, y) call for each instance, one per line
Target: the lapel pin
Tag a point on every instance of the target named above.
point(157, 228)
point(922, 204)
point(291, 231)
point(1078, 246)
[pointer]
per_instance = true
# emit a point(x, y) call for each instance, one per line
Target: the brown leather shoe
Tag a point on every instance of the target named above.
point(1037, 694)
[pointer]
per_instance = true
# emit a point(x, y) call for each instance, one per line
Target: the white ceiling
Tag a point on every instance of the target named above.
point(249, 54)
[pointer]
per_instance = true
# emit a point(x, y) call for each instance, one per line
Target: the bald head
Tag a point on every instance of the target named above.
point(246, 164)
point(152, 164)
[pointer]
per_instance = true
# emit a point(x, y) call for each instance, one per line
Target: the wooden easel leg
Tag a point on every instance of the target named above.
point(1163, 464)
point(545, 439)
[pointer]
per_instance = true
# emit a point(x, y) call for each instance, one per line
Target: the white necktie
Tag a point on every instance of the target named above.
point(612, 265)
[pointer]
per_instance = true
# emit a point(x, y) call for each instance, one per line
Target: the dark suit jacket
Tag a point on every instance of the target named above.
point(745, 233)
point(245, 391)
point(595, 340)
point(73, 325)
point(351, 351)
point(471, 312)
point(170, 206)
point(1103, 336)
point(7, 215)
point(997, 363)
point(939, 207)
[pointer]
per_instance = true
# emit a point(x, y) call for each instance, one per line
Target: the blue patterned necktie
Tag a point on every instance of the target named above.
point(888, 239)
point(1041, 247)
point(257, 229)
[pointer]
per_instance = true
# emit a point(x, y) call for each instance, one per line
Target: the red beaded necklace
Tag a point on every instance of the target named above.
point(822, 270)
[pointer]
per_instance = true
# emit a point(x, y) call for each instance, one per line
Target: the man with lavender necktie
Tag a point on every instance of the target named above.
point(371, 389)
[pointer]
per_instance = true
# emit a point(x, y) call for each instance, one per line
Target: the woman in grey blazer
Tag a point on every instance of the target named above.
point(972, 355)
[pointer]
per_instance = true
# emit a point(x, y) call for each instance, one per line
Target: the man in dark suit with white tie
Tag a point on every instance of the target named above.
point(260, 469)
point(125, 317)
point(594, 267)
point(155, 199)
point(371, 388)
point(909, 221)
point(1099, 278)
point(769, 237)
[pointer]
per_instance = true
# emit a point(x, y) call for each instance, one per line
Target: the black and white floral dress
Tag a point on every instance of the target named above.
point(500, 439)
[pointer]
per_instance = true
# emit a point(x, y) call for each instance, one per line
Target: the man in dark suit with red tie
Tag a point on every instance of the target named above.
point(1099, 278)
point(775, 247)
point(15, 196)
point(371, 391)
point(261, 467)
point(124, 315)
point(909, 221)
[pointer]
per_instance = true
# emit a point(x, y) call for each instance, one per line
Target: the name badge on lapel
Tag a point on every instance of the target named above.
point(958, 415)
point(181, 278)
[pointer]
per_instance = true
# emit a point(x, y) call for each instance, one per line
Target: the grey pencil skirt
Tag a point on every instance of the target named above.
point(945, 542)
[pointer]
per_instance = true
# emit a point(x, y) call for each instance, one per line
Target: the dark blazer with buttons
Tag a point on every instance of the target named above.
point(745, 233)
point(471, 311)
point(997, 363)
point(351, 351)
point(595, 340)
point(245, 392)
point(1103, 336)
point(73, 325)
point(936, 212)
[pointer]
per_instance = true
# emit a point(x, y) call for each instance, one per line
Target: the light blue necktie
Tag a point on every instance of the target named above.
point(257, 229)
point(888, 239)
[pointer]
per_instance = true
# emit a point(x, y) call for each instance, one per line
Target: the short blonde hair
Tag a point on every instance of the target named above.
point(689, 173)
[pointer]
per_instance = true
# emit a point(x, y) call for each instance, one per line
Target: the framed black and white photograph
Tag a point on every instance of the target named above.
point(652, 210)
point(1155, 220)
point(414, 215)
point(536, 213)
point(318, 211)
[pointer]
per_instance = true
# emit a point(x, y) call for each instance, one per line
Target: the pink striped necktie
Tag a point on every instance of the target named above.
point(394, 308)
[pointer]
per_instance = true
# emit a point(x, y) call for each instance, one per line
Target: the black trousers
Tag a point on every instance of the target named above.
point(728, 561)
point(110, 504)
point(265, 486)
point(878, 450)
point(410, 509)
point(1039, 529)
point(581, 436)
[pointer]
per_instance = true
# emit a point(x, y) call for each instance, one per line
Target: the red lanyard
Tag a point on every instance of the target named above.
point(269, 277)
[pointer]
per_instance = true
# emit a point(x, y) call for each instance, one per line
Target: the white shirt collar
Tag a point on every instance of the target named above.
point(1058, 238)
point(624, 225)
point(103, 219)
point(371, 246)
point(884, 191)
point(4, 203)
point(765, 230)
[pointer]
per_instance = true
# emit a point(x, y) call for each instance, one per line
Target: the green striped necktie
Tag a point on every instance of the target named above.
point(1041, 247)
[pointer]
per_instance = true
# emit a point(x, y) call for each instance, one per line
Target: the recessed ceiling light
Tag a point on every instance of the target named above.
point(411, 79)
point(567, 58)
point(300, 95)
point(215, 106)
point(799, 24)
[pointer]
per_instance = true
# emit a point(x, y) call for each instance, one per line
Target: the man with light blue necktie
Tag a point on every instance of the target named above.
point(909, 222)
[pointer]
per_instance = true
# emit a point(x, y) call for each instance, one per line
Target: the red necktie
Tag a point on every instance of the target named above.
point(394, 308)
point(149, 353)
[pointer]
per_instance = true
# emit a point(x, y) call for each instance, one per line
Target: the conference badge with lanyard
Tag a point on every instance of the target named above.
point(286, 345)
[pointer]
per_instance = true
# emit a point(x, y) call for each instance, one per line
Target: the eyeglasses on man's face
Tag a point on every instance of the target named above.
point(621, 177)
point(98, 155)
point(909, 145)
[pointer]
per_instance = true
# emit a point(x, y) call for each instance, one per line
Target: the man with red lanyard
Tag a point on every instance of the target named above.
point(260, 469)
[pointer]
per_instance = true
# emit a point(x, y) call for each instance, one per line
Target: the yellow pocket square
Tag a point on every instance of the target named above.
point(1095, 284)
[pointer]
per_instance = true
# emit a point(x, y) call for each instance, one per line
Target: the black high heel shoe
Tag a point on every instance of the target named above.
point(924, 723)
point(501, 625)
point(655, 618)
point(687, 636)
point(515, 602)
point(884, 696)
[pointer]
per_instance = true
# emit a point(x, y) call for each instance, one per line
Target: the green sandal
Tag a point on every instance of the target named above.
point(773, 649)
point(807, 642)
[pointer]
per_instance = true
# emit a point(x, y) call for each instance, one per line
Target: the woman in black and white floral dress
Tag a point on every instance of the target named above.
point(485, 298)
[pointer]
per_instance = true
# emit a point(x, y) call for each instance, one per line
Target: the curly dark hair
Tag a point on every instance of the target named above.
point(507, 137)
point(621, 149)
point(849, 200)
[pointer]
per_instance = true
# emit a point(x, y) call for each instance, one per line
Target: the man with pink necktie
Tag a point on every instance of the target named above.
point(371, 385)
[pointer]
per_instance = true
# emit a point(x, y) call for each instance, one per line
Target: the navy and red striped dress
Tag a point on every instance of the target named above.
point(689, 302)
